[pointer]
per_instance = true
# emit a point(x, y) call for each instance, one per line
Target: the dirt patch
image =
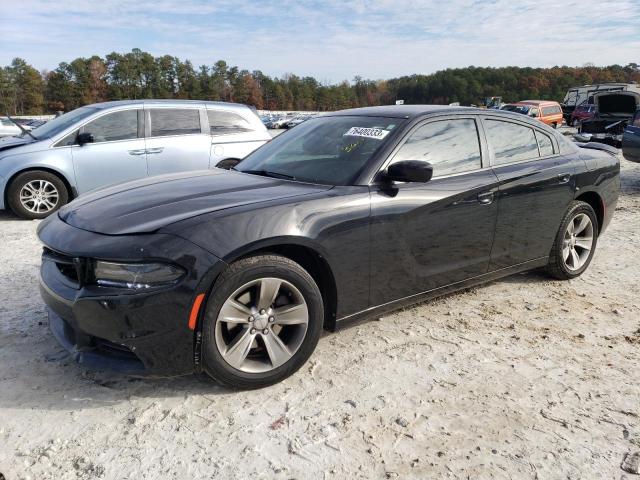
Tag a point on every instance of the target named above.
point(522, 378)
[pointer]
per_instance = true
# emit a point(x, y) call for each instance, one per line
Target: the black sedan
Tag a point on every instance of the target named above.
point(236, 272)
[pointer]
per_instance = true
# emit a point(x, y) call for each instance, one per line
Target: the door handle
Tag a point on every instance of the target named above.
point(137, 152)
point(564, 178)
point(151, 151)
point(485, 198)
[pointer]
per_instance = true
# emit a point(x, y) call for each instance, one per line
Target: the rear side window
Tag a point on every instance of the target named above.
point(450, 146)
point(511, 142)
point(114, 126)
point(550, 111)
point(544, 144)
point(174, 121)
point(224, 123)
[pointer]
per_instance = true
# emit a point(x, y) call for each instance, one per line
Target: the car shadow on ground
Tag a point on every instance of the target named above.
point(8, 216)
point(77, 388)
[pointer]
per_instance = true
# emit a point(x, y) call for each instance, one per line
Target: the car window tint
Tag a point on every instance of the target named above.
point(174, 121)
point(329, 150)
point(545, 144)
point(223, 123)
point(114, 126)
point(450, 146)
point(511, 142)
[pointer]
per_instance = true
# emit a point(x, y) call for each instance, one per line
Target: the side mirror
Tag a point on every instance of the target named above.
point(84, 138)
point(228, 163)
point(410, 171)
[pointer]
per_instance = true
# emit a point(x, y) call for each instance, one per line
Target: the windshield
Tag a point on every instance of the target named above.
point(517, 108)
point(57, 125)
point(326, 150)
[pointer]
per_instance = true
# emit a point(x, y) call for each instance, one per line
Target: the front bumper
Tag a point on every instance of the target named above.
point(96, 354)
point(141, 332)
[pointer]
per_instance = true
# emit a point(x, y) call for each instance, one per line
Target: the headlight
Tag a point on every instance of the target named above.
point(135, 275)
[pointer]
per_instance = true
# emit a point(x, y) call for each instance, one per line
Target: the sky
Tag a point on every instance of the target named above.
point(331, 40)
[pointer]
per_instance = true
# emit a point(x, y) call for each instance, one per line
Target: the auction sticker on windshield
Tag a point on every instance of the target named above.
point(376, 133)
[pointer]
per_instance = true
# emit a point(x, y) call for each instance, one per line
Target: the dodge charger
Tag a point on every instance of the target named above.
point(235, 272)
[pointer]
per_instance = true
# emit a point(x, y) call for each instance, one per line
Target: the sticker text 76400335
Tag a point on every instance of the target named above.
point(376, 133)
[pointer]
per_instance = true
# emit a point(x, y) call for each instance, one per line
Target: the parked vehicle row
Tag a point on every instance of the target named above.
point(107, 143)
point(278, 122)
point(285, 121)
point(8, 128)
point(355, 213)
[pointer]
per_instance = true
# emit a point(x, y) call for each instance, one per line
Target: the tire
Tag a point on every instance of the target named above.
point(257, 369)
point(565, 267)
point(554, 125)
point(52, 195)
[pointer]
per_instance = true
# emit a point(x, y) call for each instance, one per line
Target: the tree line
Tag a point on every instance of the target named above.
point(139, 75)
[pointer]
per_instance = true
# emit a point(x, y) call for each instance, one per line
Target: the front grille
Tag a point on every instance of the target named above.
point(75, 269)
point(69, 271)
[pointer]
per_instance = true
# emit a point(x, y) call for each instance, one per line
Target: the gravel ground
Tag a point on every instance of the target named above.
point(522, 378)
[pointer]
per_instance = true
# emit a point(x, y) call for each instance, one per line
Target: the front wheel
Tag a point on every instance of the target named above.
point(36, 194)
point(263, 320)
point(575, 242)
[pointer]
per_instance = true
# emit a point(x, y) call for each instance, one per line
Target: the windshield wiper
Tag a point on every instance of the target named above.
point(24, 130)
point(267, 173)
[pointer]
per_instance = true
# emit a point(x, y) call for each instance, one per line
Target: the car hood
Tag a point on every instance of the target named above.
point(144, 206)
point(616, 103)
point(11, 142)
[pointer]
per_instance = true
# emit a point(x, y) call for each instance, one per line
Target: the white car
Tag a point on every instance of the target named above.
point(8, 128)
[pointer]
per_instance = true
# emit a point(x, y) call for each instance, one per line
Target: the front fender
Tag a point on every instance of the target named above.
point(56, 160)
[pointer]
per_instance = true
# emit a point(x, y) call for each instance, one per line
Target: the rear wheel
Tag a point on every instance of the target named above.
point(263, 320)
point(36, 194)
point(575, 242)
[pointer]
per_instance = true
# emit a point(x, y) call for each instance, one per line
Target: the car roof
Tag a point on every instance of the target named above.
point(401, 111)
point(167, 102)
point(536, 102)
point(415, 111)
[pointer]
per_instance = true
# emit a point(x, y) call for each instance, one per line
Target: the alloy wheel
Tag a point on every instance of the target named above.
point(39, 196)
point(578, 242)
point(261, 325)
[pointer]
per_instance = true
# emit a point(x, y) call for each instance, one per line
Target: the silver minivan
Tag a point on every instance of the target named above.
point(113, 142)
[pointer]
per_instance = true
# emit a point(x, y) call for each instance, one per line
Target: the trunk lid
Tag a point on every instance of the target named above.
point(623, 104)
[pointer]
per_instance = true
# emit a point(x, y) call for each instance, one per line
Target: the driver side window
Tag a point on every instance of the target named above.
point(450, 146)
point(114, 126)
